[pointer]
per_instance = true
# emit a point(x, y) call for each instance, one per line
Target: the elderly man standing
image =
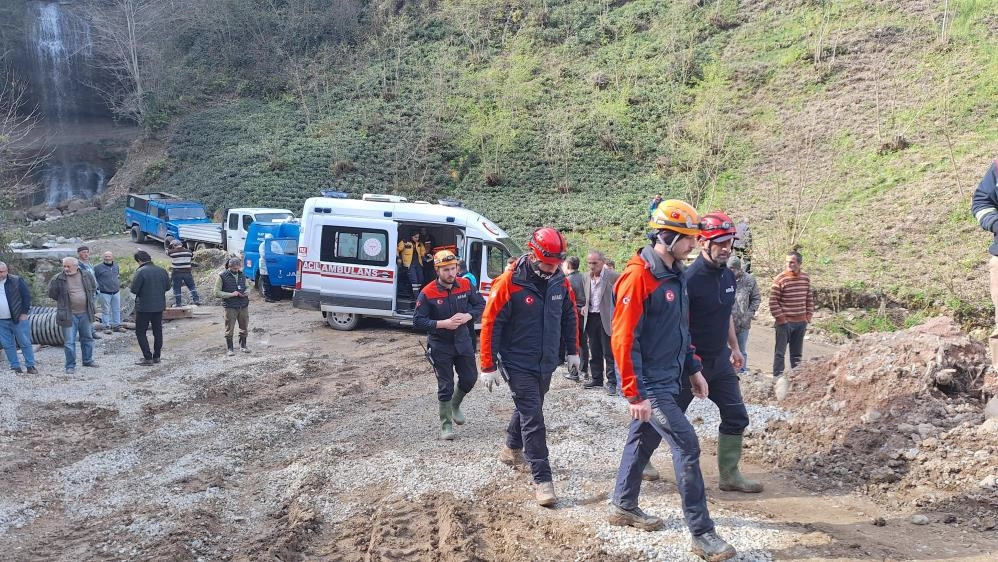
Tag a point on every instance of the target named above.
point(15, 330)
point(149, 286)
point(73, 291)
point(83, 256)
point(598, 286)
point(747, 301)
point(108, 292)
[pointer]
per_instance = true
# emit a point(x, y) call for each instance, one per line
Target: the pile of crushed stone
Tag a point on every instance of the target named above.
point(897, 416)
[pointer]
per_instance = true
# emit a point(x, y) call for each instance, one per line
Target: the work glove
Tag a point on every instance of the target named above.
point(573, 362)
point(490, 379)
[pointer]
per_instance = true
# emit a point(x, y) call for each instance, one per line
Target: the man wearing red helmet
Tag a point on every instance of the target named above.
point(529, 314)
point(712, 289)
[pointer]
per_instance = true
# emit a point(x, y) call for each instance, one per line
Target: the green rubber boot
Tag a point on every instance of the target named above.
point(729, 452)
point(456, 406)
point(446, 419)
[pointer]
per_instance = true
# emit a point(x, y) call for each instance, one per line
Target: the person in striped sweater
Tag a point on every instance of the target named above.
point(180, 266)
point(791, 303)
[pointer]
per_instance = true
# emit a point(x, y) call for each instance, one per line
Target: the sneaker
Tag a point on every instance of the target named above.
point(118, 329)
point(572, 374)
point(155, 359)
point(107, 331)
point(90, 364)
point(32, 371)
point(144, 362)
point(712, 548)
point(611, 389)
point(244, 349)
point(230, 352)
point(17, 370)
point(70, 371)
point(650, 473)
point(544, 492)
point(633, 517)
point(593, 384)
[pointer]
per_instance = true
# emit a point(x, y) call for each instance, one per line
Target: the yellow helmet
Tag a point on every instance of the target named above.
point(677, 216)
point(444, 258)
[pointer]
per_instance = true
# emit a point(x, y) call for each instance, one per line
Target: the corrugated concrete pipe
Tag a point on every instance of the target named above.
point(44, 329)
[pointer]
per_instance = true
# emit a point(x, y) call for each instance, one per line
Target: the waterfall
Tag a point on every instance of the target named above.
point(62, 79)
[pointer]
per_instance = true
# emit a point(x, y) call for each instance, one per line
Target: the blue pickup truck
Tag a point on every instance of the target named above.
point(280, 253)
point(159, 216)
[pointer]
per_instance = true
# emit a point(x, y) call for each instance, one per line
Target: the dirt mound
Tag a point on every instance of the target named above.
point(900, 417)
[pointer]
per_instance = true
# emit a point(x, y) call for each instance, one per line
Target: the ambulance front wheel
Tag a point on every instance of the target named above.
point(342, 320)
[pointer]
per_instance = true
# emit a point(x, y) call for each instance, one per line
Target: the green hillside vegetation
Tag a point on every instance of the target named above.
point(854, 130)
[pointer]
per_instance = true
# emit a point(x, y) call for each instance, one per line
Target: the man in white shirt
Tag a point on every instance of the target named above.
point(598, 284)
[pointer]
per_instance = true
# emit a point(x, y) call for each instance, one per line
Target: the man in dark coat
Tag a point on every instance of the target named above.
point(15, 330)
point(150, 284)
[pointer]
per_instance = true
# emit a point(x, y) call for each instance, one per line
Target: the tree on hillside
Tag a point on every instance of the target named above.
point(128, 37)
point(19, 152)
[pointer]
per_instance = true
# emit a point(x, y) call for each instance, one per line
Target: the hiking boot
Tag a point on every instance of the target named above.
point(17, 370)
point(455, 404)
point(118, 329)
point(711, 547)
point(729, 452)
point(92, 364)
point(611, 389)
point(781, 387)
point(513, 458)
point(107, 331)
point(593, 384)
point(446, 420)
point(144, 362)
point(32, 371)
point(544, 492)
point(572, 375)
point(633, 517)
point(155, 359)
point(649, 473)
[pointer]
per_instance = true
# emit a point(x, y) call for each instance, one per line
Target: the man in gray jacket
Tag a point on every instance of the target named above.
point(747, 300)
point(149, 286)
point(108, 292)
point(73, 292)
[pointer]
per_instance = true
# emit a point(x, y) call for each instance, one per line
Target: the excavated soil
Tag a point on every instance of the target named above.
point(900, 418)
point(321, 445)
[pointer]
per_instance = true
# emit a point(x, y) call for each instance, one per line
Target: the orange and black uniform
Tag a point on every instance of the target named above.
point(653, 353)
point(450, 349)
point(526, 320)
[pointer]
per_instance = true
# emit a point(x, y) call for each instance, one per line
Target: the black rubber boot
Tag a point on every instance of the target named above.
point(228, 346)
point(242, 344)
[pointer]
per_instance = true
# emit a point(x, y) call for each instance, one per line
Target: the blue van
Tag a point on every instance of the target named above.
point(280, 253)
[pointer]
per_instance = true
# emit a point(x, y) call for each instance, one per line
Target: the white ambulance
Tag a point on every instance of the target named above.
point(347, 252)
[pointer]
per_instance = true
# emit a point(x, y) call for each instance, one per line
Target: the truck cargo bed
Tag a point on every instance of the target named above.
point(210, 233)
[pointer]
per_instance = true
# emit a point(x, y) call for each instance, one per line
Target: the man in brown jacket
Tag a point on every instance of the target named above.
point(73, 293)
point(792, 305)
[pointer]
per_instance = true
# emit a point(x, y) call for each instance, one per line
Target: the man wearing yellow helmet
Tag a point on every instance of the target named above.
point(653, 352)
point(443, 310)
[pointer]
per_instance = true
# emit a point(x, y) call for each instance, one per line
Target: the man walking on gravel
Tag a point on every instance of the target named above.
point(712, 289)
point(73, 292)
point(231, 288)
point(444, 309)
point(15, 328)
point(149, 285)
point(651, 346)
point(530, 312)
point(792, 305)
point(576, 280)
point(598, 286)
point(109, 292)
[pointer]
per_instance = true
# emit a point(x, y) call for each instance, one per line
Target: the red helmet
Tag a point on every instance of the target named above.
point(548, 245)
point(717, 227)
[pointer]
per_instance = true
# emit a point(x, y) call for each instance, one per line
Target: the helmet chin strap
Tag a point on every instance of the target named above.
point(536, 268)
point(669, 245)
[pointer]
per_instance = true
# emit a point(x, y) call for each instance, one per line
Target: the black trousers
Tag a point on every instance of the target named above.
point(267, 288)
point(583, 346)
point(791, 333)
point(142, 322)
point(723, 390)
point(600, 354)
point(445, 362)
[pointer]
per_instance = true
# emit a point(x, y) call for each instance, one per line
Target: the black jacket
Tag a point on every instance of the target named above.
point(436, 302)
point(984, 205)
point(150, 284)
point(712, 292)
point(18, 296)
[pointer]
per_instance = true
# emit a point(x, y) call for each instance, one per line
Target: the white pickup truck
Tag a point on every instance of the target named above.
point(231, 234)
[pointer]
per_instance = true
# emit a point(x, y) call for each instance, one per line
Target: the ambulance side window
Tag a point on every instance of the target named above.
point(496, 260)
point(475, 260)
point(354, 245)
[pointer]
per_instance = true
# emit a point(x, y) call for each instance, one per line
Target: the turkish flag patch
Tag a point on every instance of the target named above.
point(670, 296)
point(529, 300)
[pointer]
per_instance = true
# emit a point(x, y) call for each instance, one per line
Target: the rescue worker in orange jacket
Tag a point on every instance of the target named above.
point(652, 350)
point(530, 312)
point(445, 308)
